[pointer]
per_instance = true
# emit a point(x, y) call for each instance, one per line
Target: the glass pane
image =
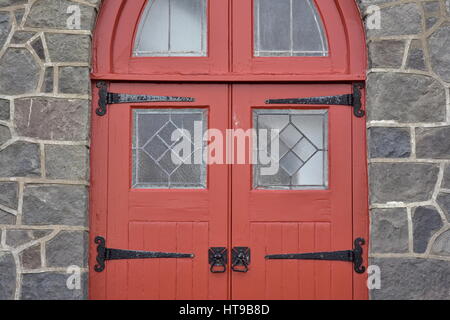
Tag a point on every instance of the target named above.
point(168, 147)
point(286, 28)
point(302, 149)
point(172, 28)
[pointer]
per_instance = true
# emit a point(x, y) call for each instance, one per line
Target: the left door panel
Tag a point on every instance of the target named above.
point(157, 204)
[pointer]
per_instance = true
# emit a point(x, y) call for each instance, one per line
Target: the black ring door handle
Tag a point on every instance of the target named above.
point(218, 259)
point(214, 270)
point(240, 259)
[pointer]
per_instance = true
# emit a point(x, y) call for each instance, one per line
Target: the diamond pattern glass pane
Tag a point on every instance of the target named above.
point(287, 28)
point(159, 161)
point(171, 28)
point(303, 149)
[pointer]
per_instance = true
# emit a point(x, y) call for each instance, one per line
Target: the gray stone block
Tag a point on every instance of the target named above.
point(441, 246)
point(405, 98)
point(68, 248)
point(19, 72)
point(439, 44)
point(20, 159)
point(68, 47)
point(426, 222)
point(7, 218)
point(389, 142)
point(386, 53)
point(53, 14)
point(7, 3)
point(47, 85)
point(4, 110)
point(51, 286)
point(5, 26)
point(416, 56)
point(443, 200)
point(446, 180)
point(52, 119)
point(5, 134)
point(74, 80)
point(433, 143)
point(9, 194)
point(55, 205)
point(66, 162)
point(404, 19)
point(389, 231)
point(31, 258)
point(412, 279)
point(39, 48)
point(7, 276)
point(404, 182)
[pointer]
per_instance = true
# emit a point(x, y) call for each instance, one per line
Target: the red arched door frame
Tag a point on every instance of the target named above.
point(113, 62)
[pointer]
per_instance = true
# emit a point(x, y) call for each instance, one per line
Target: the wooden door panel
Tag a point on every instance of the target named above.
point(294, 221)
point(316, 206)
point(169, 279)
point(293, 279)
point(165, 220)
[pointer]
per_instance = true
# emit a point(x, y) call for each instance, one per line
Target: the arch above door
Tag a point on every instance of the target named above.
point(229, 53)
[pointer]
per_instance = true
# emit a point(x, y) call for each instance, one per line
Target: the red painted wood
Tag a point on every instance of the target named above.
point(279, 214)
point(98, 196)
point(360, 199)
point(188, 221)
point(230, 47)
point(233, 77)
point(244, 62)
point(125, 27)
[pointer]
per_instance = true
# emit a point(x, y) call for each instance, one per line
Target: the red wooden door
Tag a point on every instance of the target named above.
point(272, 217)
point(153, 218)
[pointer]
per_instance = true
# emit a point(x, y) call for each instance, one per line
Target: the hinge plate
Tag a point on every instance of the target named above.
point(352, 100)
point(104, 254)
point(355, 256)
point(106, 98)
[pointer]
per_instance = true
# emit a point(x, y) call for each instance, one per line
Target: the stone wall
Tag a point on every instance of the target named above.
point(409, 148)
point(44, 143)
point(44, 147)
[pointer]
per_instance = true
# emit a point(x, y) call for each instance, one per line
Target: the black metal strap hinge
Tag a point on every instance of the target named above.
point(354, 256)
point(104, 254)
point(352, 100)
point(106, 98)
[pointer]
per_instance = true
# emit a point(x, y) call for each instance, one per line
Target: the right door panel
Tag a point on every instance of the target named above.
point(306, 206)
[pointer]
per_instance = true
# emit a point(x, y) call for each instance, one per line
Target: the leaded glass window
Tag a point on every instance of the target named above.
point(303, 149)
point(153, 149)
point(171, 28)
point(286, 28)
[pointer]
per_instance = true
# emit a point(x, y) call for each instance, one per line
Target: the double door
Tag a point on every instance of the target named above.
point(221, 183)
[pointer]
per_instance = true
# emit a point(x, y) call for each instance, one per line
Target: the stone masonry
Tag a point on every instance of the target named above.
point(409, 148)
point(44, 147)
